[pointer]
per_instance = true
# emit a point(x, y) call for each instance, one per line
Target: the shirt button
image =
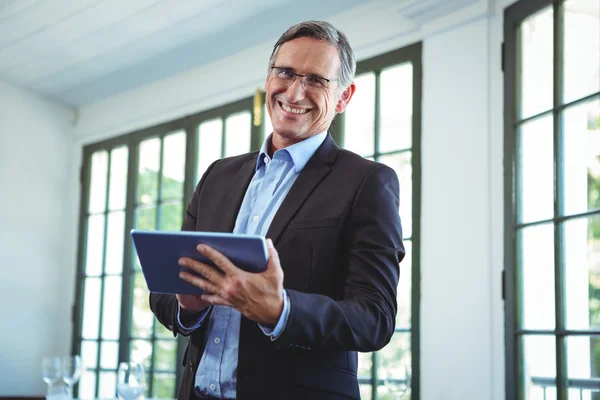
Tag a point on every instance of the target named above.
point(266, 160)
point(255, 218)
point(212, 386)
point(217, 340)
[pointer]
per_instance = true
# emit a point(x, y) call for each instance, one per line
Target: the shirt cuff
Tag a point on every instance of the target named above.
point(188, 329)
point(280, 327)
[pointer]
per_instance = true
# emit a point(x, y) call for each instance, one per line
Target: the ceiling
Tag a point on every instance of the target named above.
point(78, 52)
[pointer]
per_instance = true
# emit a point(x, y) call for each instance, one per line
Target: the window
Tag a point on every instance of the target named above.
point(552, 199)
point(383, 123)
point(140, 180)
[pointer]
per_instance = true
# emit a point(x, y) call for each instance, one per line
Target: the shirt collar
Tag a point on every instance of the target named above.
point(299, 152)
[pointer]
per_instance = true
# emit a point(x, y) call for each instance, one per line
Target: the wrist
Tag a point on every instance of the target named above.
point(277, 310)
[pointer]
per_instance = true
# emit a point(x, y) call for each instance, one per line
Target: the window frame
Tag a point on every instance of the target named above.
point(188, 124)
point(514, 15)
point(411, 53)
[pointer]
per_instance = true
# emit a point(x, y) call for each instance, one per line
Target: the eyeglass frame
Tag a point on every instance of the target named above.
point(302, 77)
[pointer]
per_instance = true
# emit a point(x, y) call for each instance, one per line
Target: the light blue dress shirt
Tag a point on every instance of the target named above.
point(217, 372)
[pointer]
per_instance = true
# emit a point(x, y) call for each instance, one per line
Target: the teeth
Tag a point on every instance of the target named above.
point(294, 110)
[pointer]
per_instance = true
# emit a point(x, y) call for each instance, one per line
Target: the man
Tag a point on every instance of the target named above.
point(334, 238)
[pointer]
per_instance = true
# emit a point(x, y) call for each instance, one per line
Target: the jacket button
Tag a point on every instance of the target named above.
point(190, 365)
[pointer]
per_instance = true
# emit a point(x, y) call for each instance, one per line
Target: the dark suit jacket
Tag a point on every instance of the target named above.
point(339, 240)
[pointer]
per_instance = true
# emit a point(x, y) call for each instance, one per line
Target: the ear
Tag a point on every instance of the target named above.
point(345, 98)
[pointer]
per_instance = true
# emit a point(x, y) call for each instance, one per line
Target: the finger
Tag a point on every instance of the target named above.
point(218, 259)
point(205, 270)
point(273, 255)
point(215, 300)
point(198, 281)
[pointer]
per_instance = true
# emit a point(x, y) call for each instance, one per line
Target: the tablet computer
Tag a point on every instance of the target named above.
point(160, 251)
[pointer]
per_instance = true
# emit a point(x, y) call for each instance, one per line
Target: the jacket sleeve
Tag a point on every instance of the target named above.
point(364, 320)
point(164, 306)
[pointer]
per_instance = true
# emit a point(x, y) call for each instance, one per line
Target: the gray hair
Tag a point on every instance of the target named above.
point(321, 30)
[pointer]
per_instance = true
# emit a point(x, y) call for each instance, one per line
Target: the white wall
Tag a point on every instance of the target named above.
point(462, 332)
point(457, 278)
point(36, 250)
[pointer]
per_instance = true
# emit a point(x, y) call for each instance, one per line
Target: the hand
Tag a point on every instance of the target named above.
point(191, 302)
point(258, 296)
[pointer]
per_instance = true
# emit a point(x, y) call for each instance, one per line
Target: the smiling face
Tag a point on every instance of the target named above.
point(298, 114)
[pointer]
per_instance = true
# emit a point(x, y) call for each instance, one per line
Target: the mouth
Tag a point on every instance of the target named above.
point(293, 110)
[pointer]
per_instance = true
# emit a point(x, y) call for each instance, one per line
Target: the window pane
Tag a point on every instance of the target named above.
point(582, 157)
point(395, 365)
point(268, 127)
point(583, 364)
point(87, 385)
point(581, 43)
point(365, 391)
point(365, 363)
point(403, 318)
point(109, 355)
point(94, 245)
point(163, 386)
point(108, 385)
point(539, 367)
point(111, 311)
point(97, 201)
point(536, 177)
point(536, 263)
point(136, 263)
point(141, 353)
point(396, 108)
point(171, 217)
point(118, 178)
point(173, 166)
point(141, 318)
point(536, 53)
point(210, 134)
point(237, 134)
point(393, 390)
point(91, 308)
point(114, 242)
point(89, 353)
point(401, 163)
point(147, 185)
point(145, 218)
point(161, 332)
point(359, 126)
point(582, 269)
point(166, 354)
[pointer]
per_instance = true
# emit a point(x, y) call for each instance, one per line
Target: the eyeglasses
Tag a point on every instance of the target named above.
point(309, 82)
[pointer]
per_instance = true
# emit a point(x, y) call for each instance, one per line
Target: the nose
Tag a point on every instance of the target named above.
point(295, 92)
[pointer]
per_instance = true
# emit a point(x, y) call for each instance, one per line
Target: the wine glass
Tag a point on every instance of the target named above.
point(130, 380)
point(71, 371)
point(51, 371)
point(397, 380)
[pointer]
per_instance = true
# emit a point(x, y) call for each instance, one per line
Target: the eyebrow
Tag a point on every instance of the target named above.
point(294, 70)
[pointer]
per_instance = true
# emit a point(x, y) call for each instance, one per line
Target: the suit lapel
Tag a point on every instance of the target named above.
point(236, 193)
point(313, 173)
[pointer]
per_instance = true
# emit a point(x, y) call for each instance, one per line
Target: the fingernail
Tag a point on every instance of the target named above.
point(200, 249)
point(182, 262)
point(270, 244)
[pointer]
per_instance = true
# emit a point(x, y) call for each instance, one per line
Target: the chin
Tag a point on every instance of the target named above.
point(289, 132)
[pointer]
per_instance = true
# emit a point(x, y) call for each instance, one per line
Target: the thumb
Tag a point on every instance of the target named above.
point(273, 255)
